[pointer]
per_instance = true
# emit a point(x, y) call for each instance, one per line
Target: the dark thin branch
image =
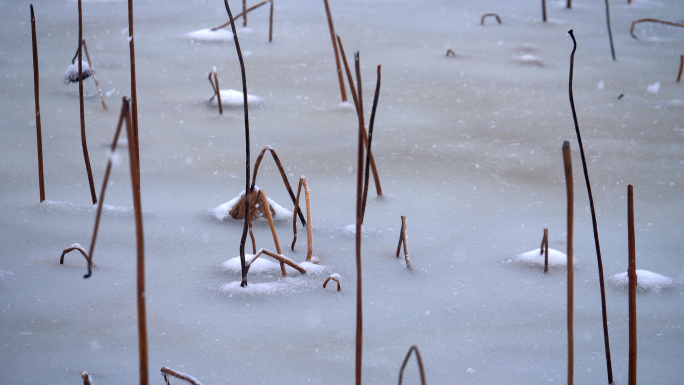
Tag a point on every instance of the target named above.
point(370, 140)
point(84, 143)
point(567, 165)
point(610, 33)
point(36, 91)
point(413, 349)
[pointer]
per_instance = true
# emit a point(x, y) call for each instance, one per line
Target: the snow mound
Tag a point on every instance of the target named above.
point(646, 280)
point(529, 60)
point(223, 211)
point(234, 98)
point(533, 258)
point(220, 35)
point(282, 286)
point(263, 265)
point(71, 73)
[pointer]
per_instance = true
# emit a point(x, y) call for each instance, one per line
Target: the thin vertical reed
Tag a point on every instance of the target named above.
point(262, 195)
point(631, 273)
point(544, 249)
point(569, 4)
point(610, 33)
point(270, 24)
point(681, 66)
point(92, 73)
point(84, 143)
point(337, 56)
point(544, 10)
point(244, 12)
point(593, 217)
point(247, 160)
point(567, 163)
point(36, 92)
point(370, 140)
point(218, 92)
point(134, 93)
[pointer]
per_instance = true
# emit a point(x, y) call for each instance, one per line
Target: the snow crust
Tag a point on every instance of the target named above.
point(646, 280)
point(222, 211)
point(533, 258)
point(235, 98)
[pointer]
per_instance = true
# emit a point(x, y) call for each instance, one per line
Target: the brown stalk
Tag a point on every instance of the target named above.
point(218, 92)
point(369, 153)
point(282, 174)
point(567, 163)
point(337, 56)
point(72, 248)
point(333, 279)
point(631, 273)
point(168, 372)
point(544, 10)
point(84, 143)
point(544, 249)
point(362, 128)
point(134, 94)
point(244, 10)
point(635, 22)
point(402, 240)
point(241, 14)
point(247, 160)
point(610, 33)
point(450, 52)
point(92, 72)
point(86, 378)
point(309, 237)
point(593, 216)
point(413, 349)
point(277, 257)
point(681, 66)
point(569, 4)
point(270, 222)
point(270, 24)
point(36, 91)
point(482, 20)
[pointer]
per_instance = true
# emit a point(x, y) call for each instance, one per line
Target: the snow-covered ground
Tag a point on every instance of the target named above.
point(467, 147)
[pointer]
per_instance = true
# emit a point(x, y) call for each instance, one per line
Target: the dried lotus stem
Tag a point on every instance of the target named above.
point(73, 247)
point(168, 372)
point(270, 24)
point(635, 22)
point(369, 153)
point(567, 163)
point(218, 92)
point(278, 257)
point(337, 55)
point(631, 273)
point(544, 249)
point(86, 378)
point(282, 174)
point(482, 20)
point(84, 143)
point(413, 349)
point(544, 10)
point(270, 222)
point(241, 14)
point(331, 278)
point(451, 52)
point(92, 72)
point(36, 84)
point(402, 240)
point(309, 251)
point(681, 67)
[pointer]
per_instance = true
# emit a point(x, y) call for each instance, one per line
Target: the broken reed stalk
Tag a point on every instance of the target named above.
point(92, 72)
point(247, 160)
point(241, 14)
point(593, 216)
point(402, 240)
point(631, 273)
point(543, 10)
point(125, 112)
point(610, 33)
point(73, 247)
point(370, 141)
point(84, 143)
point(218, 92)
point(134, 93)
point(450, 52)
point(282, 174)
point(482, 20)
point(413, 349)
point(36, 92)
point(544, 249)
point(309, 237)
point(681, 66)
point(362, 128)
point(567, 163)
point(331, 278)
point(168, 372)
point(337, 56)
point(270, 223)
point(86, 378)
point(277, 257)
point(635, 22)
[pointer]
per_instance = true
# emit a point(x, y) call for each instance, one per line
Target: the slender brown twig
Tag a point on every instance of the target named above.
point(450, 52)
point(403, 241)
point(262, 195)
point(332, 278)
point(544, 249)
point(610, 33)
point(567, 163)
point(92, 72)
point(241, 14)
point(413, 349)
point(36, 91)
point(73, 247)
point(482, 20)
point(543, 10)
point(309, 250)
point(168, 372)
point(217, 90)
point(681, 66)
point(631, 273)
point(593, 216)
point(84, 143)
point(134, 92)
point(635, 22)
point(337, 56)
point(244, 10)
point(277, 257)
point(247, 160)
point(270, 24)
point(370, 140)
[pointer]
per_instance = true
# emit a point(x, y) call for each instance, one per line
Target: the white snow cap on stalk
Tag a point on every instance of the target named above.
point(535, 258)
point(646, 280)
point(71, 73)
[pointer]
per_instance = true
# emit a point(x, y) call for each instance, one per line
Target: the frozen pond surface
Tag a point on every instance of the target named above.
point(467, 147)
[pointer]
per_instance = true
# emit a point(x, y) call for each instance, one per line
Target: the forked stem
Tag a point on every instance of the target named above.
point(309, 237)
point(413, 349)
point(368, 150)
point(402, 241)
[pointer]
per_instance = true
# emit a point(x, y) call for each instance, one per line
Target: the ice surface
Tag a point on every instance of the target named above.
point(646, 280)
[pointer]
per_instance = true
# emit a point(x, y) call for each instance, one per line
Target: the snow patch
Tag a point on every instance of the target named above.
point(223, 211)
point(220, 35)
point(234, 98)
point(534, 258)
point(646, 280)
point(529, 60)
point(654, 88)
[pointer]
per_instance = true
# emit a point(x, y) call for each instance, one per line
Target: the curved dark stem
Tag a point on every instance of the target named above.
point(593, 217)
point(247, 160)
point(370, 139)
point(78, 50)
point(282, 174)
point(610, 33)
point(413, 349)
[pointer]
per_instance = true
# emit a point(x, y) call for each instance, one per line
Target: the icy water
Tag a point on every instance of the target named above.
point(467, 147)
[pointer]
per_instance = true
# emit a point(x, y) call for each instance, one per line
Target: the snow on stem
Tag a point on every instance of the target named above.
point(567, 163)
point(482, 20)
point(168, 372)
point(36, 91)
point(413, 349)
point(84, 143)
point(402, 240)
point(332, 278)
point(73, 247)
point(635, 22)
point(544, 249)
point(593, 216)
point(631, 273)
point(309, 237)
point(337, 55)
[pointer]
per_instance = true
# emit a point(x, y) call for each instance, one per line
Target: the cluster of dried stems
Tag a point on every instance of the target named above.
point(635, 22)
point(544, 249)
point(243, 14)
point(402, 241)
point(84, 46)
point(482, 19)
point(217, 91)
